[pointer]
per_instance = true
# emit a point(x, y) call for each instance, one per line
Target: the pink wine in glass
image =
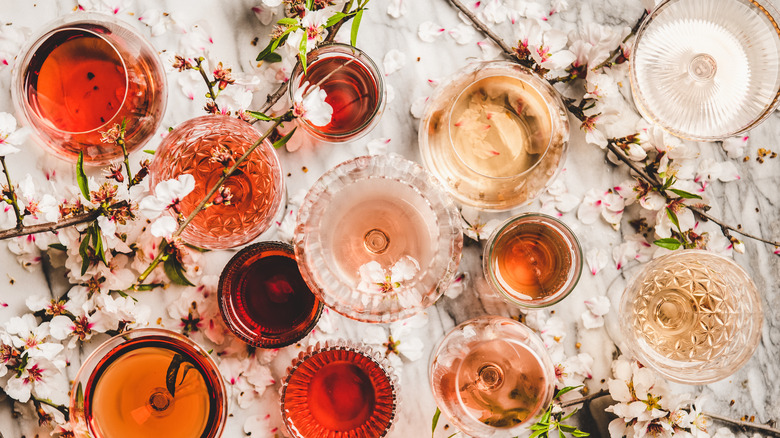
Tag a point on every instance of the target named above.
point(338, 391)
point(84, 77)
point(256, 188)
point(354, 88)
point(263, 298)
point(149, 382)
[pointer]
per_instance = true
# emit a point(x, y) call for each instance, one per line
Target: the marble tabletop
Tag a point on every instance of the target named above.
point(230, 28)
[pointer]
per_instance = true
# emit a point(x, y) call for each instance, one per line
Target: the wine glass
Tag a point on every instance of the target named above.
point(378, 239)
point(204, 147)
point(492, 377)
point(340, 390)
point(355, 89)
point(85, 74)
point(495, 134)
point(263, 298)
point(692, 315)
point(532, 260)
point(148, 382)
point(707, 69)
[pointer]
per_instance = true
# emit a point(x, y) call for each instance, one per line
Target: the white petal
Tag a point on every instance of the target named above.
point(411, 348)
point(17, 389)
point(374, 335)
point(164, 226)
point(404, 269)
point(397, 8)
point(393, 61)
point(418, 107)
point(463, 33)
point(598, 305)
point(316, 110)
point(429, 31)
point(60, 327)
point(7, 149)
point(597, 260)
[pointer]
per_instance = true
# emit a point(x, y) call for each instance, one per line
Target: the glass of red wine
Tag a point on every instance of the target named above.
point(355, 89)
point(339, 390)
point(264, 299)
point(85, 74)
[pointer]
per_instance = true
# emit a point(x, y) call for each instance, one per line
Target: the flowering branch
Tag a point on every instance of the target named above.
point(52, 226)
point(508, 51)
point(584, 399)
point(11, 195)
point(745, 424)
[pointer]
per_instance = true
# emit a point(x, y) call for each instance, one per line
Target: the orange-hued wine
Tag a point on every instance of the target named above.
point(338, 392)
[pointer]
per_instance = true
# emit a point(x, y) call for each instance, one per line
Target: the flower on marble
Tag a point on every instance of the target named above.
point(634, 247)
point(597, 307)
point(735, 146)
point(10, 137)
point(309, 103)
point(397, 8)
point(246, 378)
point(42, 378)
point(596, 259)
point(609, 205)
point(402, 340)
point(429, 31)
point(542, 44)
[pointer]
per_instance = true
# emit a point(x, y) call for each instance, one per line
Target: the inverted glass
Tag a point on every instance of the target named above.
point(495, 134)
point(85, 74)
point(256, 187)
point(148, 382)
point(693, 316)
point(707, 69)
point(378, 239)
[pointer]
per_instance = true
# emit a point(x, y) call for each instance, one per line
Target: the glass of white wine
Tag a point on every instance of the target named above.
point(693, 316)
point(707, 69)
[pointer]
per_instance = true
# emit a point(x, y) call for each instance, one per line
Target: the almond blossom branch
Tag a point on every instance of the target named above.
point(12, 196)
point(212, 96)
point(508, 51)
point(52, 226)
point(618, 51)
point(745, 424)
point(584, 399)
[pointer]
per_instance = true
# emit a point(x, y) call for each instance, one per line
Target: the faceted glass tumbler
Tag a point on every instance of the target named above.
point(256, 187)
point(707, 69)
point(693, 316)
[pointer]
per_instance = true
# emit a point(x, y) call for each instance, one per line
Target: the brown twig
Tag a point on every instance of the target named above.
point(584, 399)
point(508, 51)
point(610, 61)
point(12, 196)
point(212, 96)
point(745, 424)
point(52, 226)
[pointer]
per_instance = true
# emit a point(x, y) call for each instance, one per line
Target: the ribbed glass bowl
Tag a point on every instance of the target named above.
point(377, 210)
point(707, 69)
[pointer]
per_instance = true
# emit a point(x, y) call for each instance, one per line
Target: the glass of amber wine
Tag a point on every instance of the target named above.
point(339, 390)
point(204, 147)
point(148, 382)
point(533, 260)
point(83, 75)
point(492, 377)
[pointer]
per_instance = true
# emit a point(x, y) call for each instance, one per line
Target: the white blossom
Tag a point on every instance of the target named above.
point(309, 103)
point(9, 136)
point(375, 280)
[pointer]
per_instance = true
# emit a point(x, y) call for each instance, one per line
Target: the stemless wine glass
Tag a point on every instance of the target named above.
point(85, 74)
point(492, 377)
point(339, 390)
point(378, 239)
point(148, 382)
point(532, 260)
point(495, 134)
point(263, 298)
point(693, 316)
point(253, 195)
point(707, 69)
point(355, 88)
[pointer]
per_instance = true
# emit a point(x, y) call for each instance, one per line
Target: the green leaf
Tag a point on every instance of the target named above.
point(355, 27)
point(566, 427)
point(684, 194)
point(260, 116)
point(273, 58)
point(147, 287)
point(287, 21)
point(97, 238)
point(673, 217)
point(540, 432)
point(173, 371)
point(668, 243)
point(453, 434)
point(335, 18)
point(83, 252)
point(81, 177)
point(58, 246)
point(283, 141)
point(302, 52)
point(567, 389)
point(175, 272)
point(579, 434)
point(80, 398)
point(540, 426)
point(273, 44)
point(435, 420)
point(149, 151)
point(560, 434)
point(309, 4)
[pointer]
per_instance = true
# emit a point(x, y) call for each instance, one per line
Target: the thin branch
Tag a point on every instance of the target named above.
point(619, 50)
point(745, 424)
point(52, 226)
point(12, 195)
point(482, 27)
point(584, 399)
point(212, 96)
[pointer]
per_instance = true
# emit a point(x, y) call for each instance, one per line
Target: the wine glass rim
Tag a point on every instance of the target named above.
point(765, 7)
point(562, 230)
point(511, 68)
point(330, 50)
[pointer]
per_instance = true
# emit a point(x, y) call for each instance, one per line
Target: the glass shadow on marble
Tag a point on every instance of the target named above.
point(697, 72)
point(263, 298)
point(148, 382)
point(532, 260)
point(204, 147)
point(355, 89)
point(492, 377)
point(496, 134)
point(378, 239)
point(693, 316)
point(83, 75)
point(340, 390)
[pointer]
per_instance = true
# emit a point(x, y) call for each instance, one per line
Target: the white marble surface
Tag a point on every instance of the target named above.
point(753, 202)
